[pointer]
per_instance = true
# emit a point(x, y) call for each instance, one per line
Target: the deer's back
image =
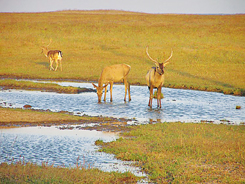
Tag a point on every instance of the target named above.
point(55, 54)
point(115, 73)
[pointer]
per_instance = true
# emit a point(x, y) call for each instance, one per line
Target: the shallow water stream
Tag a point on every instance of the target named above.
point(178, 104)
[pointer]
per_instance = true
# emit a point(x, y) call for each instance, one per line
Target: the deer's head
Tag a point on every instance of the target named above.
point(159, 66)
point(45, 48)
point(99, 91)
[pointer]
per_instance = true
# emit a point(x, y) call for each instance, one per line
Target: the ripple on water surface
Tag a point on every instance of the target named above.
point(60, 148)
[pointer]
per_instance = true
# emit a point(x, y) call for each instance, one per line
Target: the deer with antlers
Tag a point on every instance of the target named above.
point(111, 74)
point(53, 55)
point(155, 78)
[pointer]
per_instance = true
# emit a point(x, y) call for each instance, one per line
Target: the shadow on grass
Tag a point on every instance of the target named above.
point(46, 64)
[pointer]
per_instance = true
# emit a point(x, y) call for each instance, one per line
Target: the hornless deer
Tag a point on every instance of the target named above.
point(155, 78)
point(110, 74)
point(53, 55)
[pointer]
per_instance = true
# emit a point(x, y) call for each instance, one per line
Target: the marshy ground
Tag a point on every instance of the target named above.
point(167, 152)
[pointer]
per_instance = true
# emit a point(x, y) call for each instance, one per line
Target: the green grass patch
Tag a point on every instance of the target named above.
point(208, 50)
point(184, 153)
point(32, 173)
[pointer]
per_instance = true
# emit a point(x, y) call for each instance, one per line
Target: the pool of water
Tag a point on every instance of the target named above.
point(177, 105)
point(53, 146)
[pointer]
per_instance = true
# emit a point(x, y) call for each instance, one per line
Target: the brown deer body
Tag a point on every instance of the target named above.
point(54, 56)
point(155, 78)
point(111, 74)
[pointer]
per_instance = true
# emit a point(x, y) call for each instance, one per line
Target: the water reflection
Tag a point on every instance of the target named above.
point(59, 148)
point(178, 105)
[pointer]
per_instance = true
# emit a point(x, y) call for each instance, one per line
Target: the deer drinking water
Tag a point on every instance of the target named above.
point(53, 55)
point(111, 74)
point(155, 78)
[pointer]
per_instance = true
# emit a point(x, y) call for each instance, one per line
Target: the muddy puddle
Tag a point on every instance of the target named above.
point(60, 147)
point(177, 105)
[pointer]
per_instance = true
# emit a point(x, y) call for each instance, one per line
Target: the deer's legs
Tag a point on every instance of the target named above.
point(159, 91)
point(57, 63)
point(105, 93)
point(129, 96)
point(51, 64)
point(126, 88)
point(151, 96)
point(111, 85)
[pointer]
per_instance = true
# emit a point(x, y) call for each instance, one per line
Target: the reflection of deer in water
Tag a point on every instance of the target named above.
point(53, 55)
point(111, 74)
point(155, 78)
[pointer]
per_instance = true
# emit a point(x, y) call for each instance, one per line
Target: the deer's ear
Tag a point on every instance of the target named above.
point(94, 85)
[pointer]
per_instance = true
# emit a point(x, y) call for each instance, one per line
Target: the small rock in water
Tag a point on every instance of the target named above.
point(27, 106)
point(238, 107)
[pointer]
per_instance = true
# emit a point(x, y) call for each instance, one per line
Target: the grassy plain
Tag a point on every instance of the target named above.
point(208, 50)
point(184, 152)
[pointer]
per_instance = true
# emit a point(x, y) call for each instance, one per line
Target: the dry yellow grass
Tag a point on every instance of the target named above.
point(208, 54)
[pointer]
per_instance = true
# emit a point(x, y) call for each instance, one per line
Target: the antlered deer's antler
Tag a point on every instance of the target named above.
point(155, 61)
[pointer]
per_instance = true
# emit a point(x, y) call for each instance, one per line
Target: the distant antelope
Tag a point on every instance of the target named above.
point(53, 55)
point(111, 74)
point(155, 78)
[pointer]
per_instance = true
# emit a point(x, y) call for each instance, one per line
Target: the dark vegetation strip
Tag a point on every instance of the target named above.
point(48, 87)
point(31, 117)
